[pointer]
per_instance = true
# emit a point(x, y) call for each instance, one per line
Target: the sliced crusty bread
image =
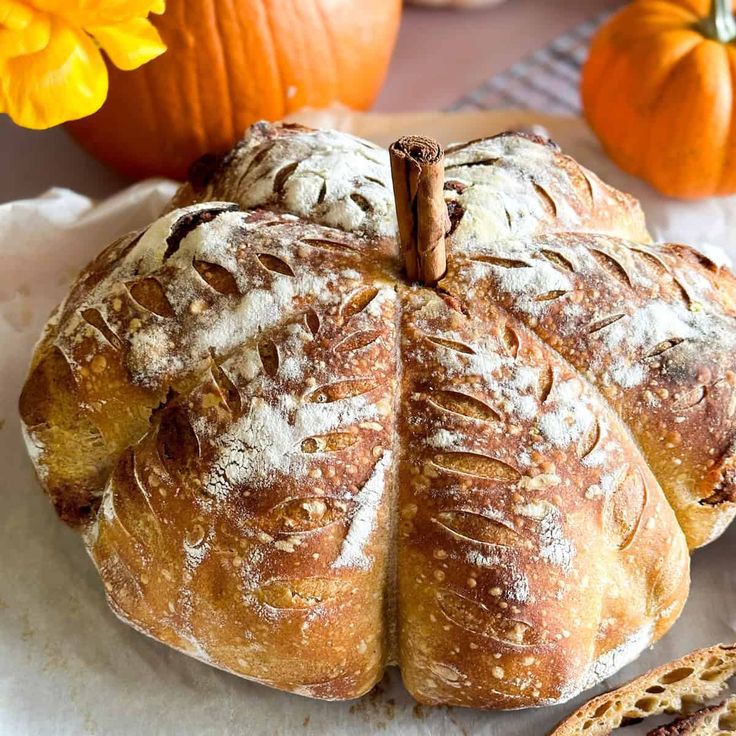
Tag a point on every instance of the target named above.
point(713, 720)
point(676, 687)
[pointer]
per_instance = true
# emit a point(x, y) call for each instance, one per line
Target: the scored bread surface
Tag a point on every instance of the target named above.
point(291, 464)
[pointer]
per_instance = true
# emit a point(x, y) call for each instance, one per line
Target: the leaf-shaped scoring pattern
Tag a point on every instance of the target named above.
point(476, 618)
point(472, 463)
point(342, 390)
point(303, 515)
point(474, 527)
point(625, 508)
point(329, 442)
point(301, 594)
point(464, 404)
point(150, 295)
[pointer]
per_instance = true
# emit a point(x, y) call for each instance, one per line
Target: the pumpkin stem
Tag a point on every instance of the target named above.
point(418, 172)
point(720, 24)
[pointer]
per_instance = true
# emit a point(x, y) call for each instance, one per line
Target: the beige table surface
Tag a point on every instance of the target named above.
point(440, 56)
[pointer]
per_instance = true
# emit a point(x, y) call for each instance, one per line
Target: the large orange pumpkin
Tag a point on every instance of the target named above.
point(231, 62)
point(659, 91)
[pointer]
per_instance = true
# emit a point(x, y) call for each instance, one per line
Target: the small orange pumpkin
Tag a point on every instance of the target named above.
point(659, 91)
point(231, 62)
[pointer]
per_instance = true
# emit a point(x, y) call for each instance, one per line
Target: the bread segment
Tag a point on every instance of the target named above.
point(654, 328)
point(249, 525)
point(537, 553)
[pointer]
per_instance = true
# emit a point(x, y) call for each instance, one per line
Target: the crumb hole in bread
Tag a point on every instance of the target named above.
point(275, 264)
point(710, 675)
point(460, 403)
point(219, 278)
point(602, 708)
point(676, 675)
point(647, 704)
point(149, 293)
point(655, 689)
point(342, 390)
point(482, 466)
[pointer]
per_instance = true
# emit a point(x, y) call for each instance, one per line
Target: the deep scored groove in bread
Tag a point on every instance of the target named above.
point(676, 687)
point(290, 463)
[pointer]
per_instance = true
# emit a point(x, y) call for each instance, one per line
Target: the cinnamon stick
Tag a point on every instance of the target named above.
point(418, 172)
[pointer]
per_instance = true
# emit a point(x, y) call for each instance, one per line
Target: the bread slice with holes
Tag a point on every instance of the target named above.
point(676, 687)
point(713, 720)
point(287, 461)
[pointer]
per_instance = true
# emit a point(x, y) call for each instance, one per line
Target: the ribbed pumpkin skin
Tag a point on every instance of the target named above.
point(230, 63)
point(660, 96)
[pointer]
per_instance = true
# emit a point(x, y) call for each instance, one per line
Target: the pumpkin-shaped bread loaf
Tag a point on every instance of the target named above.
point(289, 462)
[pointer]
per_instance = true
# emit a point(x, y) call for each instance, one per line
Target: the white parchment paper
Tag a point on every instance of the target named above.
point(68, 666)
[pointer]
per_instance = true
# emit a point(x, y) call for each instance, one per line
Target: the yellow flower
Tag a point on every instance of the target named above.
point(51, 68)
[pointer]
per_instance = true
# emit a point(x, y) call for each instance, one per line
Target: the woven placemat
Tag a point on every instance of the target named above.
point(547, 80)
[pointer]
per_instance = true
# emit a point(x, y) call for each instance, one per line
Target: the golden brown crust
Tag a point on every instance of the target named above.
point(675, 687)
point(525, 575)
point(244, 527)
point(289, 463)
point(654, 328)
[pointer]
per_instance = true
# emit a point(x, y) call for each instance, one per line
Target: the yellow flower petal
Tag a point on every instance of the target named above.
point(129, 44)
point(15, 15)
point(64, 81)
point(23, 38)
point(98, 12)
